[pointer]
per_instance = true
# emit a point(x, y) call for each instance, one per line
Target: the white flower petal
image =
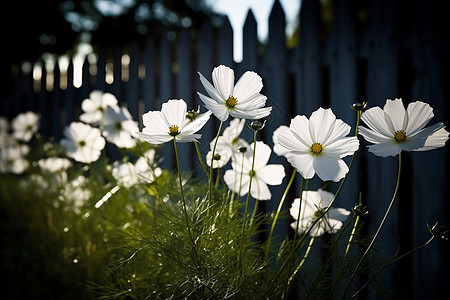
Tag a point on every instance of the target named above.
point(197, 124)
point(223, 80)
point(435, 140)
point(303, 163)
point(373, 136)
point(328, 168)
point(262, 154)
point(374, 118)
point(248, 85)
point(396, 112)
point(300, 129)
point(260, 190)
point(420, 114)
point(340, 130)
point(212, 92)
point(218, 109)
point(323, 121)
point(277, 147)
point(342, 147)
point(253, 114)
point(385, 149)
point(272, 174)
point(175, 112)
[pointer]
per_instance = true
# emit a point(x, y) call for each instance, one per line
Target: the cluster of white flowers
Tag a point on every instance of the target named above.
point(84, 142)
point(128, 174)
point(13, 147)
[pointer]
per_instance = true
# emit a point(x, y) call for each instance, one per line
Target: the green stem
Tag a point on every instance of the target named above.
point(394, 196)
point(212, 161)
point(277, 214)
point(184, 200)
point(352, 234)
point(255, 209)
point(200, 158)
point(247, 202)
point(311, 241)
point(286, 285)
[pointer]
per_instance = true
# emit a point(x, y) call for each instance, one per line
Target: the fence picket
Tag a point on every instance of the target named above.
point(132, 86)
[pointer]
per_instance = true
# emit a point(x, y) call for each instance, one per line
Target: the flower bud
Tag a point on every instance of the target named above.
point(358, 106)
point(242, 149)
point(193, 114)
point(440, 231)
point(360, 210)
point(257, 125)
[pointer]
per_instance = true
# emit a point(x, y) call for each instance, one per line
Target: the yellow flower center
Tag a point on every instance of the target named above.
point(231, 102)
point(173, 130)
point(316, 148)
point(252, 173)
point(400, 135)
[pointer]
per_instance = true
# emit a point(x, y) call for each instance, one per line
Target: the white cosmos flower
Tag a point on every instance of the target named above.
point(145, 168)
point(118, 127)
point(228, 144)
point(4, 128)
point(171, 123)
point(54, 164)
point(242, 100)
point(95, 106)
point(393, 129)
point(13, 158)
point(83, 142)
point(313, 204)
point(318, 145)
point(263, 174)
point(125, 174)
point(24, 125)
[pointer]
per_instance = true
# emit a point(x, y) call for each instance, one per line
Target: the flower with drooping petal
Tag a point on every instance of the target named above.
point(24, 125)
point(228, 144)
point(262, 173)
point(318, 145)
point(118, 127)
point(313, 205)
point(242, 100)
point(171, 123)
point(394, 128)
point(83, 142)
point(95, 106)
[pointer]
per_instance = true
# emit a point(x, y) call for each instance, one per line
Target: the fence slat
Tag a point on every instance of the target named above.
point(428, 79)
point(132, 86)
point(309, 80)
point(275, 78)
point(148, 83)
point(250, 47)
point(225, 44)
point(204, 65)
